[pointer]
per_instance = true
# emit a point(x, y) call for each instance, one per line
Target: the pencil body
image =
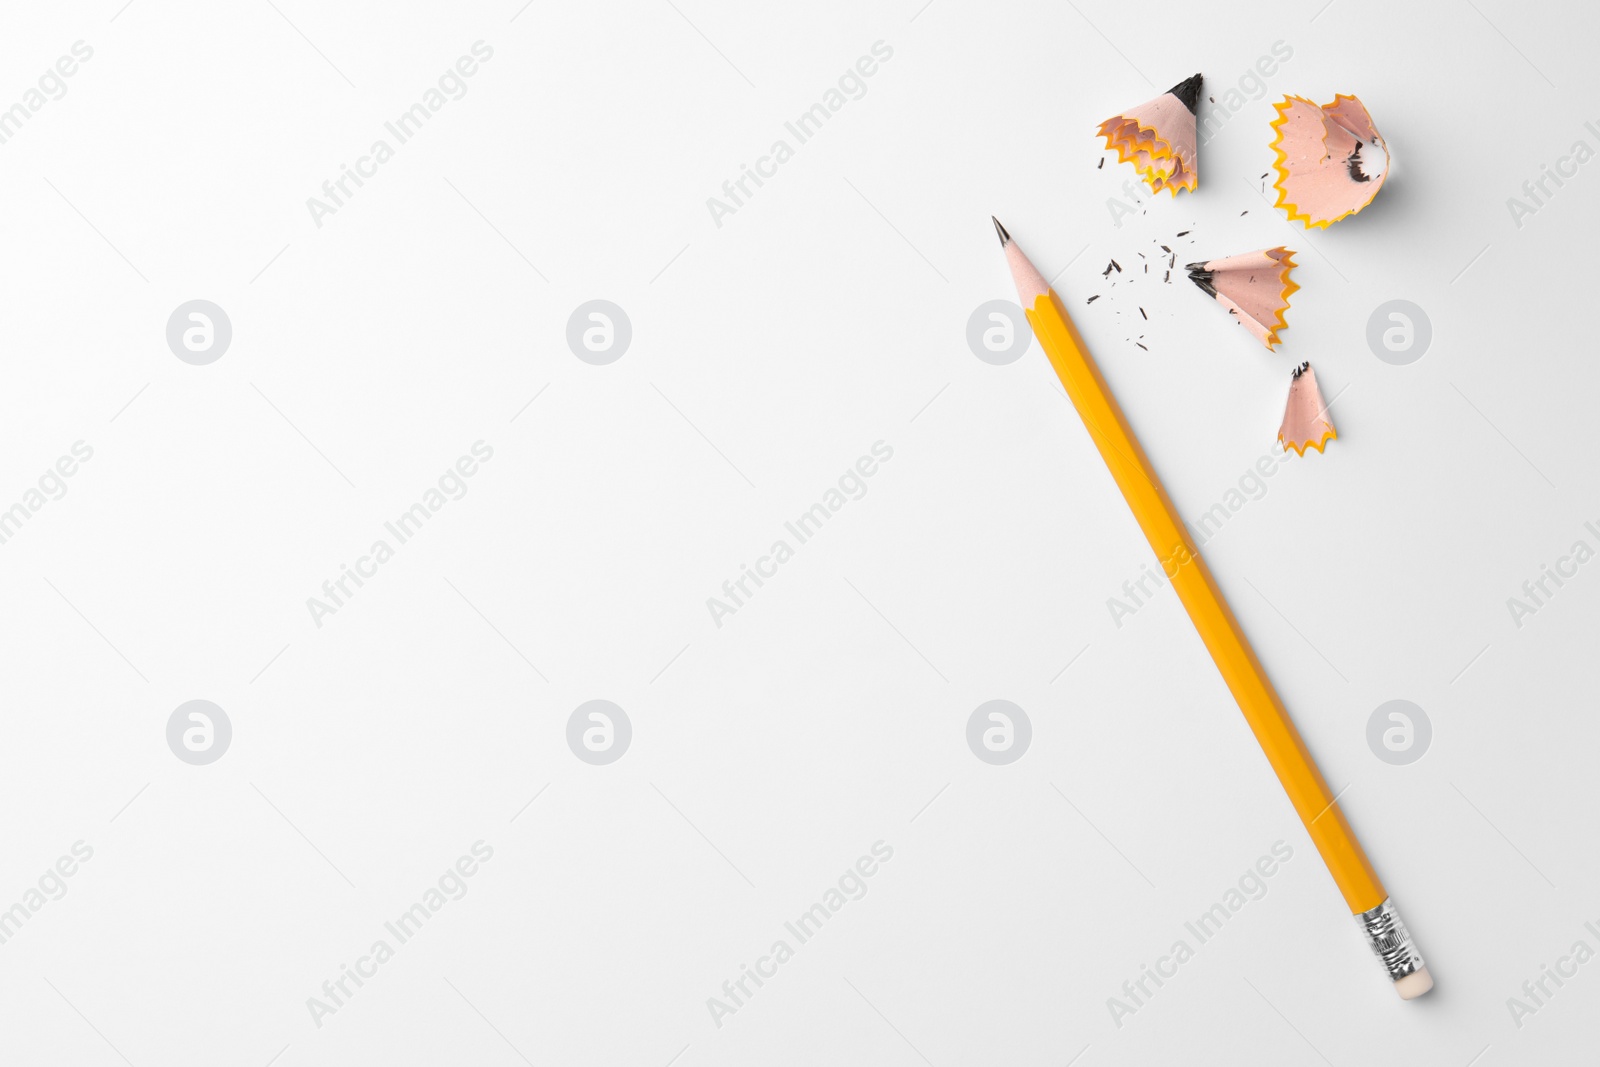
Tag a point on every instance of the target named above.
point(1316, 805)
point(1201, 598)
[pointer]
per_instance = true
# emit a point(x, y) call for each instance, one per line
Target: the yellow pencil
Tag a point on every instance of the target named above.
point(1192, 581)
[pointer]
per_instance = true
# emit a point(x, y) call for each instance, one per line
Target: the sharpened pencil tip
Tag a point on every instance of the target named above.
point(1203, 278)
point(1005, 238)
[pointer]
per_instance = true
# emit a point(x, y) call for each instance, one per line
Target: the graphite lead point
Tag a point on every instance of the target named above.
point(1005, 238)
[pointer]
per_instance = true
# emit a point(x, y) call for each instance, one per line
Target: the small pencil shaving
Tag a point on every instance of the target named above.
point(1253, 286)
point(1305, 417)
point(1330, 160)
point(1158, 138)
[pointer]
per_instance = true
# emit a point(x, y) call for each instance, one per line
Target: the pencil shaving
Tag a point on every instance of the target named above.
point(1305, 417)
point(1330, 160)
point(1253, 286)
point(1158, 138)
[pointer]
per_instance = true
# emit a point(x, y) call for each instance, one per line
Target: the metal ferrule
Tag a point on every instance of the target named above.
point(1390, 940)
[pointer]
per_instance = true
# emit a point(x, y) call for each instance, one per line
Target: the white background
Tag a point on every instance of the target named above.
point(768, 354)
